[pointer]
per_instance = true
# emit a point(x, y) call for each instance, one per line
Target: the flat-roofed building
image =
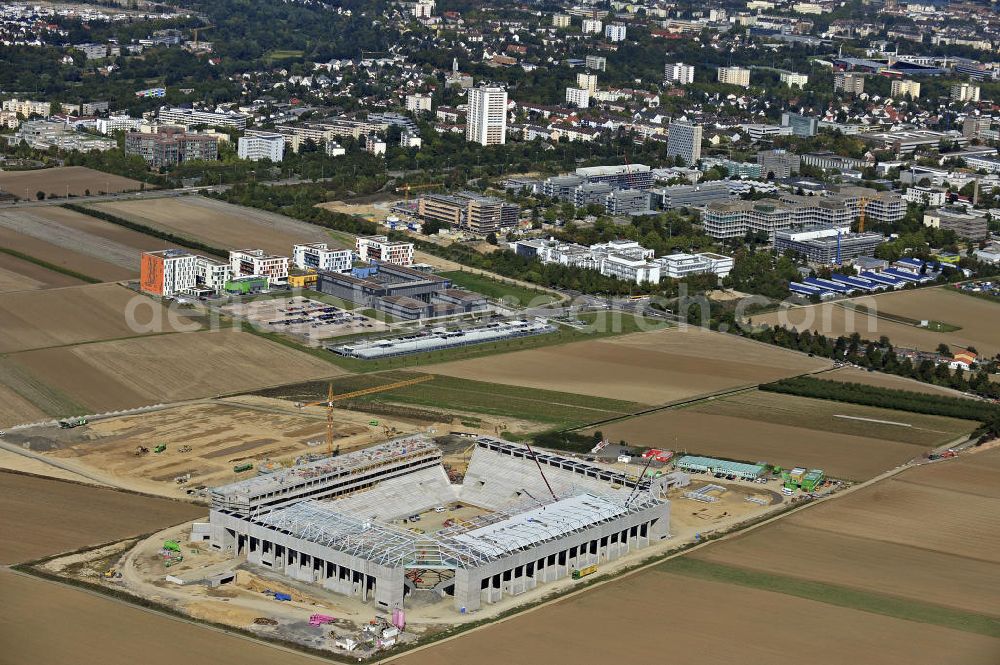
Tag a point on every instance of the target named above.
point(734, 76)
point(851, 83)
point(681, 265)
point(167, 272)
point(257, 263)
point(256, 146)
point(965, 224)
point(171, 146)
point(317, 256)
point(903, 87)
point(471, 212)
point(190, 117)
point(684, 141)
point(382, 250)
point(827, 245)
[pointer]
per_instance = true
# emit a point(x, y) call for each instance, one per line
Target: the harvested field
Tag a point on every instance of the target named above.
point(929, 534)
point(793, 431)
point(135, 372)
point(219, 224)
point(120, 630)
point(68, 258)
point(15, 409)
point(78, 179)
point(978, 319)
point(73, 315)
point(882, 380)
point(72, 515)
point(16, 274)
point(648, 367)
point(712, 623)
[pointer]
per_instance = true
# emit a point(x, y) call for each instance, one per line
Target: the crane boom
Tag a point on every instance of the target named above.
point(539, 464)
point(331, 398)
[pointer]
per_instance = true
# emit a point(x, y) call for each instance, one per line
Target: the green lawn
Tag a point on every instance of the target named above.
point(549, 407)
point(832, 594)
point(496, 290)
point(279, 54)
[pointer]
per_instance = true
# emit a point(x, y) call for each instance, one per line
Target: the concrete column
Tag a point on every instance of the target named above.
point(467, 590)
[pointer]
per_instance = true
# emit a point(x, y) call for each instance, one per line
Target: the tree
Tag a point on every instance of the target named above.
point(40, 195)
point(944, 350)
point(491, 238)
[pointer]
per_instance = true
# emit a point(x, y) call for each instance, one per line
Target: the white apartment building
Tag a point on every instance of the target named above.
point(678, 72)
point(560, 20)
point(852, 83)
point(630, 270)
point(117, 123)
point(684, 141)
point(27, 108)
point(254, 262)
point(903, 87)
point(680, 265)
point(933, 197)
point(167, 272)
point(587, 81)
point(418, 103)
point(261, 145)
point(188, 117)
point(212, 273)
point(615, 32)
point(735, 76)
point(592, 26)
point(578, 97)
point(965, 92)
point(486, 117)
point(792, 79)
point(317, 256)
point(383, 250)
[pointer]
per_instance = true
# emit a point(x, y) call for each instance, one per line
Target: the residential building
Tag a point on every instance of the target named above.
point(965, 92)
point(587, 82)
point(684, 141)
point(903, 87)
point(375, 144)
point(117, 123)
point(791, 79)
point(933, 197)
point(167, 272)
point(597, 62)
point(802, 125)
point(578, 97)
point(418, 103)
point(615, 32)
point(680, 265)
point(734, 76)
point(211, 273)
point(334, 149)
point(777, 164)
point(825, 245)
point(317, 256)
point(678, 72)
point(256, 263)
point(591, 26)
point(27, 107)
point(382, 250)
point(486, 118)
point(974, 126)
point(560, 20)
point(851, 83)
point(171, 146)
point(256, 146)
point(190, 117)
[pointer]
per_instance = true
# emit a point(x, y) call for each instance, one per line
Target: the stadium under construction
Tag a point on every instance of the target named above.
point(339, 522)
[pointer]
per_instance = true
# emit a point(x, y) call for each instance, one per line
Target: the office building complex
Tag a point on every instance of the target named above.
point(382, 250)
point(471, 212)
point(190, 117)
point(802, 125)
point(827, 245)
point(486, 118)
point(255, 263)
point(778, 163)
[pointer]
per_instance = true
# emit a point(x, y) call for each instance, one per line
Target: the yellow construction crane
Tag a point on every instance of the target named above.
point(199, 29)
point(407, 187)
point(331, 398)
point(862, 204)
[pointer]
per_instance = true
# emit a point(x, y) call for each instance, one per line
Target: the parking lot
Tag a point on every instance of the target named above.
point(303, 317)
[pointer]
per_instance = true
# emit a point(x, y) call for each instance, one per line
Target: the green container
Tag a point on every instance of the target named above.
point(240, 468)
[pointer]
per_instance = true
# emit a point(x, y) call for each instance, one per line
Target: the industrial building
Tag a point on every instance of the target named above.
point(337, 522)
point(436, 339)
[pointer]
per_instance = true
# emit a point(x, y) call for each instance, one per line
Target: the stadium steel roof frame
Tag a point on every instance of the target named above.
point(382, 544)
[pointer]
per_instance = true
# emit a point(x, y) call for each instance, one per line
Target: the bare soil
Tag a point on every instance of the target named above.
point(42, 516)
point(220, 224)
point(979, 319)
point(657, 617)
point(25, 184)
point(72, 315)
point(19, 275)
point(157, 369)
point(648, 367)
point(67, 257)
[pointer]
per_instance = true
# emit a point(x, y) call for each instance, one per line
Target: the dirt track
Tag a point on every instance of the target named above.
point(648, 367)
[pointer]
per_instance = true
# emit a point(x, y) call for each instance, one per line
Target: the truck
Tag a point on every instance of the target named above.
point(69, 423)
point(813, 480)
point(240, 468)
point(579, 573)
point(160, 448)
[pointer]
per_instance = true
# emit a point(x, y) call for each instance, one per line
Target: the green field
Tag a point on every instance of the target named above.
point(497, 290)
point(833, 594)
point(447, 394)
point(279, 54)
point(933, 326)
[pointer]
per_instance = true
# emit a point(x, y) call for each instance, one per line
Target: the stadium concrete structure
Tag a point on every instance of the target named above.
point(336, 522)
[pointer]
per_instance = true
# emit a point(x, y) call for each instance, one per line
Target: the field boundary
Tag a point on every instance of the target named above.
point(50, 266)
point(147, 230)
